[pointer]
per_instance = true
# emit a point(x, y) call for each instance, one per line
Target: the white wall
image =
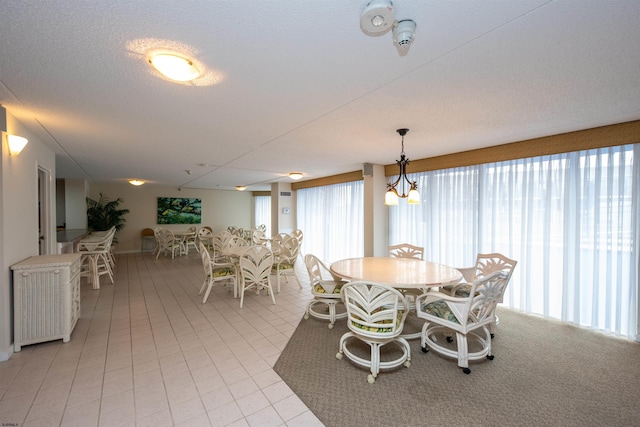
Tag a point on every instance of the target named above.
point(220, 208)
point(19, 210)
point(75, 203)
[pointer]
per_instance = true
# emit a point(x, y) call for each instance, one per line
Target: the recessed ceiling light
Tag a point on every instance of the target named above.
point(136, 182)
point(174, 67)
point(295, 175)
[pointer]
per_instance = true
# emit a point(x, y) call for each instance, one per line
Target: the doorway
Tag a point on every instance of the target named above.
point(44, 211)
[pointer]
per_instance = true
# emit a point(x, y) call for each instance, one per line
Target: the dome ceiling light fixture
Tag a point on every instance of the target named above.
point(295, 175)
point(174, 67)
point(391, 196)
point(377, 17)
point(136, 182)
point(241, 187)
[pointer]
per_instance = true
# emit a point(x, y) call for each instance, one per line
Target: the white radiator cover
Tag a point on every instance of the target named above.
point(46, 296)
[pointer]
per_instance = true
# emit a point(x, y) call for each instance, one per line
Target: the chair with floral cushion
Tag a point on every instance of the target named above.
point(286, 256)
point(255, 268)
point(214, 273)
point(375, 315)
point(325, 288)
point(466, 317)
point(485, 265)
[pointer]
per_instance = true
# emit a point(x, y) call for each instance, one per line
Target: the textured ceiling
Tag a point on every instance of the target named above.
point(298, 86)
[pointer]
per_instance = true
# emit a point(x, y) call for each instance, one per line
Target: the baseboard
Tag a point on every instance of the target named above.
point(5, 354)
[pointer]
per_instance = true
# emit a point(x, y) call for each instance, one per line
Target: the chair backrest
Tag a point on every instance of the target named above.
point(297, 233)
point(236, 241)
point(147, 232)
point(489, 263)
point(208, 228)
point(262, 227)
point(206, 261)
point(257, 237)
point(221, 240)
point(487, 292)
point(374, 309)
point(255, 264)
point(320, 274)
point(314, 268)
point(279, 238)
point(289, 250)
point(204, 231)
point(405, 250)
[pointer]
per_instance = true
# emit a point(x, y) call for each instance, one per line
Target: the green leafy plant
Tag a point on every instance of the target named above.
point(102, 214)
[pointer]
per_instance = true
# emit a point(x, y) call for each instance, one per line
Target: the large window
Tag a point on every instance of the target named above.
point(331, 218)
point(263, 212)
point(570, 220)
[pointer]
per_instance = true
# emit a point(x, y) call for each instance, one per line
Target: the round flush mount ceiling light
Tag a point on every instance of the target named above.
point(241, 187)
point(174, 67)
point(295, 175)
point(378, 17)
point(153, 51)
point(136, 182)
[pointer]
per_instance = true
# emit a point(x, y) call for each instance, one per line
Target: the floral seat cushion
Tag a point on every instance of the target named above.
point(223, 271)
point(439, 308)
point(319, 289)
point(463, 291)
point(382, 324)
point(283, 267)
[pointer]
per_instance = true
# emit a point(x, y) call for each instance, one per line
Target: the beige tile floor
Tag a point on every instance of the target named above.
point(146, 352)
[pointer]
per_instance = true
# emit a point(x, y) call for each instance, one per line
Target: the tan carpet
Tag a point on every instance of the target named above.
point(544, 373)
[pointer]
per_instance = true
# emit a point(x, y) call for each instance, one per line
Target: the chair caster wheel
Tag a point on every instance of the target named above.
point(371, 379)
point(449, 339)
point(492, 335)
point(490, 356)
point(339, 356)
point(306, 316)
point(466, 370)
point(330, 325)
point(407, 364)
point(425, 349)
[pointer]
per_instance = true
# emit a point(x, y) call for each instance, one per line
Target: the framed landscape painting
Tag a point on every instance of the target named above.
point(179, 210)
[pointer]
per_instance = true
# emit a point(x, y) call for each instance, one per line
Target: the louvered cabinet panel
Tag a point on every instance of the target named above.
point(46, 297)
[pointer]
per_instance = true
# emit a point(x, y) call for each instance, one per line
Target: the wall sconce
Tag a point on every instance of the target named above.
point(16, 144)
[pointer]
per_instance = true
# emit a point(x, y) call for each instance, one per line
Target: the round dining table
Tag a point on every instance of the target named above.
point(403, 273)
point(413, 276)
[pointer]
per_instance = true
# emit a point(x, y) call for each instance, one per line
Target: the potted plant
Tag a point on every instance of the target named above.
point(102, 214)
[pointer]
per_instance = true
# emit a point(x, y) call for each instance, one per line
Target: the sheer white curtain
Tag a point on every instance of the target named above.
point(331, 218)
point(570, 220)
point(263, 212)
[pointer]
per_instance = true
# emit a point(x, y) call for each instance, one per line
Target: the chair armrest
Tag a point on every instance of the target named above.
point(468, 274)
point(433, 295)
